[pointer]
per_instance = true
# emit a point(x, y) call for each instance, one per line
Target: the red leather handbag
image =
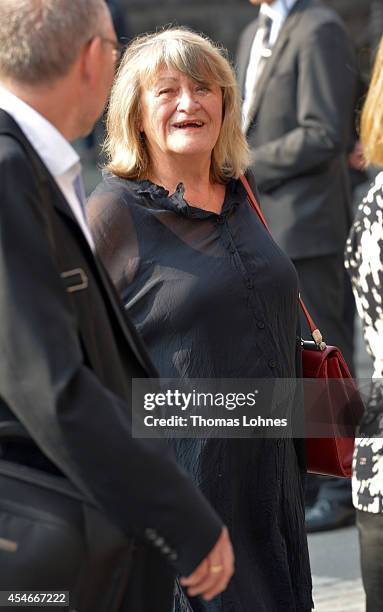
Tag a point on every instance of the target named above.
point(340, 400)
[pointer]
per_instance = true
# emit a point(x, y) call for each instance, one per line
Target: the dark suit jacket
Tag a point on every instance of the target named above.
point(299, 129)
point(67, 360)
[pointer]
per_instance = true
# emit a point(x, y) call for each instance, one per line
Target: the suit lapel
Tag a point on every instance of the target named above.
point(9, 127)
point(270, 66)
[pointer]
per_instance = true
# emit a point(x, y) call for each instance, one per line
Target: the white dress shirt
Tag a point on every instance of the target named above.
point(277, 12)
point(55, 151)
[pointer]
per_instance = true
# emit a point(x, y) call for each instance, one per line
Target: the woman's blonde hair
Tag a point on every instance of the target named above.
point(371, 127)
point(197, 57)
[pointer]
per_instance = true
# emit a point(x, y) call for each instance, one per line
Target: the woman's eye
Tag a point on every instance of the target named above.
point(203, 88)
point(168, 90)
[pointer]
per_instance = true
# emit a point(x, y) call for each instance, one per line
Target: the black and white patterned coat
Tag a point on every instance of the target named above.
point(364, 262)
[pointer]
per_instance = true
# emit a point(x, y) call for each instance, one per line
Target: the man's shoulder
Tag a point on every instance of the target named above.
point(316, 15)
point(313, 15)
point(317, 25)
point(13, 156)
point(16, 170)
point(18, 155)
point(11, 140)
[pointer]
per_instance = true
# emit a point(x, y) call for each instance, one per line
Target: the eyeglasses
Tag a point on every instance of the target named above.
point(118, 48)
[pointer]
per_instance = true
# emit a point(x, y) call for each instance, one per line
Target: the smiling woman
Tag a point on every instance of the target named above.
point(180, 117)
point(157, 69)
point(210, 293)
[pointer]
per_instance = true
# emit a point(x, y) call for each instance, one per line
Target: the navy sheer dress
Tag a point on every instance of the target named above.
point(213, 296)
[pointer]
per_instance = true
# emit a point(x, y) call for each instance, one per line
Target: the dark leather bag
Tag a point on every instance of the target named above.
point(340, 406)
point(341, 411)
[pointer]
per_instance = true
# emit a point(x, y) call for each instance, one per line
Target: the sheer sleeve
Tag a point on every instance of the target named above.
point(113, 230)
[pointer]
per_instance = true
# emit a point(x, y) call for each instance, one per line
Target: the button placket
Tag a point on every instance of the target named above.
point(150, 533)
point(233, 250)
point(230, 245)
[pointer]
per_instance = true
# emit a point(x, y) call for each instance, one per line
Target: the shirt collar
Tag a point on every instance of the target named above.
point(55, 151)
point(278, 10)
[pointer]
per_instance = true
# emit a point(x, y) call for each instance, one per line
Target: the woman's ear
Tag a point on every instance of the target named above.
point(140, 123)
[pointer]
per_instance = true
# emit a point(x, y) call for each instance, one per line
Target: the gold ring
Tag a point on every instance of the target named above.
point(216, 569)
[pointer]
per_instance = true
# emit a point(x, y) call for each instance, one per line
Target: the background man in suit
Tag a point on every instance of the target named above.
point(297, 72)
point(68, 353)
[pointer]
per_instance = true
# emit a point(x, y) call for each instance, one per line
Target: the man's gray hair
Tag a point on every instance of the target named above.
point(40, 39)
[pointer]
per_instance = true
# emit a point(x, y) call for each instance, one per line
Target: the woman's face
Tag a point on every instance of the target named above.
point(180, 116)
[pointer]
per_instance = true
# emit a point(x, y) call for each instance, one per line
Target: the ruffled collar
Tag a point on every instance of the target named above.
point(234, 195)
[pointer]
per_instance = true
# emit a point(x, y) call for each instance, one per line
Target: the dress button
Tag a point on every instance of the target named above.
point(159, 541)
point(260, 325)
point(249, 283)
point(173, 557)
point(220, 220)
point(151, 534)
point(272, 363)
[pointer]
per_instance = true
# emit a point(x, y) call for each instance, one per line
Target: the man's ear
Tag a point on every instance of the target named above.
point(91, 58)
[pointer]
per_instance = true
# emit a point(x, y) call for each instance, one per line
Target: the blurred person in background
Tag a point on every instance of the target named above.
point(210, 292)
point(375, 22)
point(120, 19)
point(297, 74)
point(364, 262)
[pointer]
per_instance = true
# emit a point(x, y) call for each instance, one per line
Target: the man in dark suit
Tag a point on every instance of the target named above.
point(68, 352)
point(296, 69)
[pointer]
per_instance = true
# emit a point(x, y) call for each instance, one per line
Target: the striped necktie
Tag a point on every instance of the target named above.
point(260, 52)
point(264, 23)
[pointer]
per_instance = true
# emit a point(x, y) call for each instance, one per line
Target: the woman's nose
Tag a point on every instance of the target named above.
point(187, 100)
